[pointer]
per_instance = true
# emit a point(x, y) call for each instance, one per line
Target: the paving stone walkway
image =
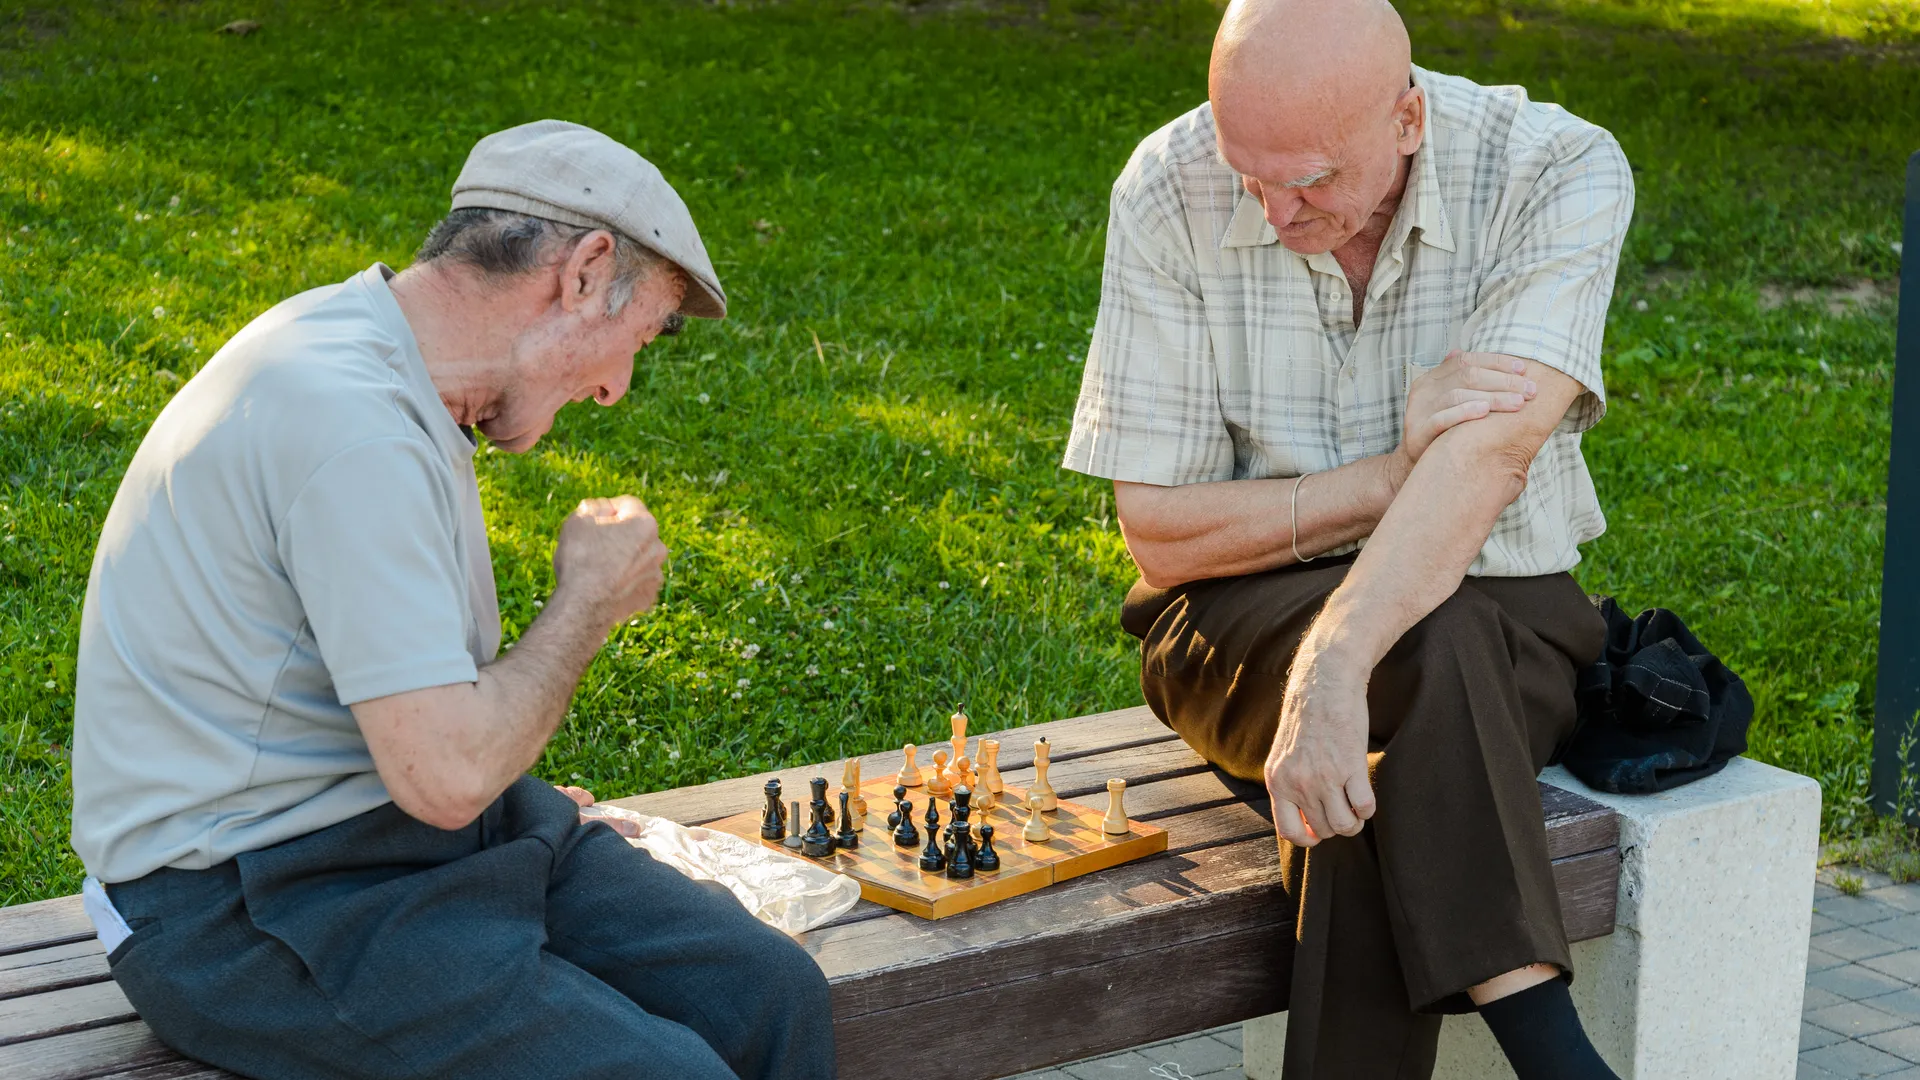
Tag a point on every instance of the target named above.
point(1862, 1012)
point(1861, 1018)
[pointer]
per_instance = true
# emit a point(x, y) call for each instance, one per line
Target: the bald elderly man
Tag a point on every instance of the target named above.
point(1349, 337)
point(299, 758)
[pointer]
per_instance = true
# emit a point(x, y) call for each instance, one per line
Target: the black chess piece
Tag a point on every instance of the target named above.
point(818, 843)
point(988, 859)
point(904, 834)
point(793, 833)
point(932, 858)
point(960, 837)
point(847, 838)
point(773, 823)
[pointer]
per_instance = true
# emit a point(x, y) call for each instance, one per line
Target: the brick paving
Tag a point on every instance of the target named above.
point(1861, 1018)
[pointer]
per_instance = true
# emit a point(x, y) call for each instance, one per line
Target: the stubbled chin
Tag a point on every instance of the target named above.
point(512, 444)
point(1310, 241)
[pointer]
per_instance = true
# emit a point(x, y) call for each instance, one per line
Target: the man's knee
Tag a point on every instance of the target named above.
point(782, 1011)
point(799, 993)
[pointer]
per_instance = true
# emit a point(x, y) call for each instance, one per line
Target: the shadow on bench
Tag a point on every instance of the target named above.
point(1176, 943)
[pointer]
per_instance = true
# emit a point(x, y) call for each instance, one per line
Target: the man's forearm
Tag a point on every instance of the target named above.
point(1181, 534)
point(1437, 524)
point(525, 693)
point(446, 752)
point(1415, 558)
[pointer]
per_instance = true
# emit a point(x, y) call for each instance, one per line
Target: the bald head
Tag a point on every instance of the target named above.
point(1313, 107)
point(1273, 58)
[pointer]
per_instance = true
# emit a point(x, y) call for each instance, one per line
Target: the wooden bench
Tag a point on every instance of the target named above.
point(1176, 943)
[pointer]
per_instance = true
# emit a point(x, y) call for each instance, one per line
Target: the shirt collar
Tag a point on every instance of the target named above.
point(1424, 198)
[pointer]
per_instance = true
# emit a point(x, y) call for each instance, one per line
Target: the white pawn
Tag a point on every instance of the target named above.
point(1036, 825)
point(1115, 823)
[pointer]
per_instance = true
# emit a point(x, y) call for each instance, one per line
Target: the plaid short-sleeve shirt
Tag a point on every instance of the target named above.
point(1219, 354)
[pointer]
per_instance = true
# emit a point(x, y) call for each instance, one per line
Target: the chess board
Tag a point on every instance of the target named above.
point(891, 875)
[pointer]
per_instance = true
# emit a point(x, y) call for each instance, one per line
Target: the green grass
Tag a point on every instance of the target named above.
point(857, 471)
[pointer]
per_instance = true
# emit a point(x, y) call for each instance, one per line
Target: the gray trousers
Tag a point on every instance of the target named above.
point(524, 945)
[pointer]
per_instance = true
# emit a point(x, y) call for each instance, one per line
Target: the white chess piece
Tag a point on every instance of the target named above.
point(1036, 825)
point(1115, 823)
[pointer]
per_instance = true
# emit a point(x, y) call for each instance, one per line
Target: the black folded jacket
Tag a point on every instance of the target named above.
point(1657, 710)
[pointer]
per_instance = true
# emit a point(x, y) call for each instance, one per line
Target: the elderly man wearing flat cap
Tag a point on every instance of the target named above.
point(299, 765)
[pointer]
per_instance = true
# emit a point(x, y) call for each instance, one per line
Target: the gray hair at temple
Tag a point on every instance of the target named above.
point(500, 243)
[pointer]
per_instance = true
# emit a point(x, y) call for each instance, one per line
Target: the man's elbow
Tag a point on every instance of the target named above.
point(1159, 563)
point(442, 802)
point(1500, 465)
point(1512, 464)
point(1159, 575)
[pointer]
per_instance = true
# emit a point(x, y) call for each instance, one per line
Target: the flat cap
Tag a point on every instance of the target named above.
point(575, 175)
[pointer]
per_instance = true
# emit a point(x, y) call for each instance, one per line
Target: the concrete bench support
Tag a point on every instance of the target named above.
point(1703, 975)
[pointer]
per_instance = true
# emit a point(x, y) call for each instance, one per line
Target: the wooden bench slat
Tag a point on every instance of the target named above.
point(1576, 823)
point(55, 1012)
point(178, 1069)
point(52, 968)
point(1589, 887)
point(86, 1054)
point(43, 923)
point(1125, 999)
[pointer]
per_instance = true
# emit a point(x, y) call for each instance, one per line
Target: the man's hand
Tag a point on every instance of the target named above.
point(1317, 769)
point(610, 555)
point(585, 799)
point(1466, 386)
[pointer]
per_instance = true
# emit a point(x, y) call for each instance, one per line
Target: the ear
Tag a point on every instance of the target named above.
point(1410, 120)
point(588, 271)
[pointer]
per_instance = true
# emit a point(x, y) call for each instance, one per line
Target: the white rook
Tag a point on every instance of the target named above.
point(1703, 975)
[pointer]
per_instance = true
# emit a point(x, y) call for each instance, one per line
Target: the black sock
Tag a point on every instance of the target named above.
point(1540, 1033)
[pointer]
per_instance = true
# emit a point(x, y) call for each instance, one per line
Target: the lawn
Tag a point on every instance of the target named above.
point(857, 472)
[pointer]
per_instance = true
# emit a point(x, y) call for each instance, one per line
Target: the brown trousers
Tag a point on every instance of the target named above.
point(1449, 884)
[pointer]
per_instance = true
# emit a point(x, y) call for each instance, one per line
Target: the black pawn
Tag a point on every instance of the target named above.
point(847, 839)
point(931, 858)
point(989, 859)
point(818, 842)
point(793, 834)
point(773, 823)
point(904, 834)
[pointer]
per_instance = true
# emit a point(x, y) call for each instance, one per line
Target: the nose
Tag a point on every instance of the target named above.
point(610, 392)
point(1282, 205)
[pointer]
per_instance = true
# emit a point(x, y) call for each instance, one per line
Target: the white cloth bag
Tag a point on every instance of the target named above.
point(784, 891)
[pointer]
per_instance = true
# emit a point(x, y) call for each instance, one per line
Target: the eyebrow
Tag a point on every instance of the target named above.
point(673, 324)
point(1310, 179)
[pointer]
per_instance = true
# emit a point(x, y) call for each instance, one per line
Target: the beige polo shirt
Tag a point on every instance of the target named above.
point(300, 530)
point(1219, 354)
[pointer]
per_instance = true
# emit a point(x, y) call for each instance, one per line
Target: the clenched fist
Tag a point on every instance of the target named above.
point(610, 556)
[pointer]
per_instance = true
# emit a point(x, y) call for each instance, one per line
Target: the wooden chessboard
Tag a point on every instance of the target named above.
point(892, 876)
